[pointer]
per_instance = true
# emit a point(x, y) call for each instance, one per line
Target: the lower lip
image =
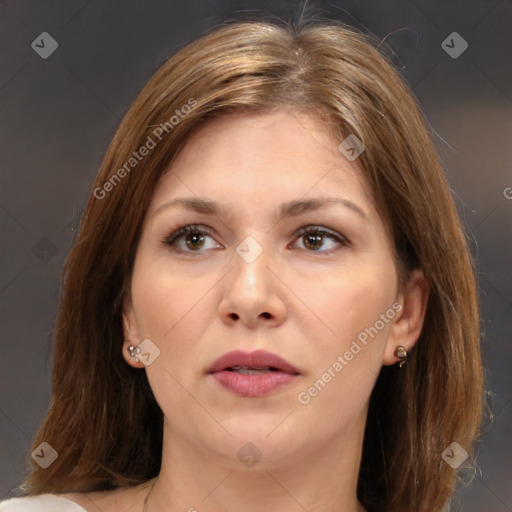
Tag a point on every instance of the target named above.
point(253, 385)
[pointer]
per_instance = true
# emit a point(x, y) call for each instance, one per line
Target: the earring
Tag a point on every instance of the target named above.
point(401, 353)
point(132, 350)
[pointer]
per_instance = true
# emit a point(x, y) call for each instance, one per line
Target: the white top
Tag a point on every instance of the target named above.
point(41, 503)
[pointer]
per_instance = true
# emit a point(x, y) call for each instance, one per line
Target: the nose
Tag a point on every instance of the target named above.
point(252, 296)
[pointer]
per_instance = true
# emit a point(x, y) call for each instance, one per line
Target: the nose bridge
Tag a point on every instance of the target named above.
point(251, 292)
point(250, 271)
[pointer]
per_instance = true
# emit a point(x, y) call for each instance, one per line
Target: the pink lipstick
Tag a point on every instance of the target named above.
point(252, 374)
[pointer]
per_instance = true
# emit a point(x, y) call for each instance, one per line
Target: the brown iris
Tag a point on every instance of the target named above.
point(194, 241)
point(313, 241)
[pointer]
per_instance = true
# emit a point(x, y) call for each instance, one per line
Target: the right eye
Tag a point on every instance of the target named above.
point(191, 238)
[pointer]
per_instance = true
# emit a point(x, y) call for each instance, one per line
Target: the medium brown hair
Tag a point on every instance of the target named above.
point(104, 421)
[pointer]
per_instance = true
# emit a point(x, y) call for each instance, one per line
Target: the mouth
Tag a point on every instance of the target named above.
point(258, 361)
point(245, 370)
point(252, 374)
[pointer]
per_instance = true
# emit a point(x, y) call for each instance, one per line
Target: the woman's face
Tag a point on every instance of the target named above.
point(286, 253)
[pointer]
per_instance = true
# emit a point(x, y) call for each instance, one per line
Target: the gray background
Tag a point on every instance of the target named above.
point(59, 114)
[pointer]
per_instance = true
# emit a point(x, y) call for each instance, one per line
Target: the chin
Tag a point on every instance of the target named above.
point(259, 446)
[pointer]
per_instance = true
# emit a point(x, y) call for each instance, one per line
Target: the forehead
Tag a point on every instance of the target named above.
point(263, 157)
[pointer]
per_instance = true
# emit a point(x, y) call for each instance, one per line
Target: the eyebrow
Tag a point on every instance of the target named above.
point(290, 208)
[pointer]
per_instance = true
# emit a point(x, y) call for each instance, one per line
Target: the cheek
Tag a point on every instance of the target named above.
point(170, 308)
point(345, 305)
point(346, 351)
point(173, 312)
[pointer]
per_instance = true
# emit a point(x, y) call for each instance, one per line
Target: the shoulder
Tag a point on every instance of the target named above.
point(40, 503)
point(114, 500)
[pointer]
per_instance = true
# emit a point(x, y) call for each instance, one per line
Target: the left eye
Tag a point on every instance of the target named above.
point(315, 239)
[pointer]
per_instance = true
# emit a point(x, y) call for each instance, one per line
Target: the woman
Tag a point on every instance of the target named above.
point(270, 304)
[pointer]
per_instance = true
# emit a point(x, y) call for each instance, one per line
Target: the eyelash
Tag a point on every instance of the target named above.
point(171, 239)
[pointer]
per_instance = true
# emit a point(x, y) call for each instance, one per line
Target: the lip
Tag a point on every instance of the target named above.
point(256, 359)
point(247, 385)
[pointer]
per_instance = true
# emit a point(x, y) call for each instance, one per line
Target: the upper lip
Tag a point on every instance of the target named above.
point(258, 359)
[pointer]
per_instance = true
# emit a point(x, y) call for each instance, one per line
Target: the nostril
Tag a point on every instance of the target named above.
point(234, 316)
point(266, 315)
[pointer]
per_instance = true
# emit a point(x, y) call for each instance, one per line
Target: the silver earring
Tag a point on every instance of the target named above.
point(401, 353)
point(134, 350)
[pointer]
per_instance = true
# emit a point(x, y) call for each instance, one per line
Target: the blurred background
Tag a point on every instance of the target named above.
point(70, 70)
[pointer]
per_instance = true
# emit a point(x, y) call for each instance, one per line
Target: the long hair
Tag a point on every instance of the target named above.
point(104, 421)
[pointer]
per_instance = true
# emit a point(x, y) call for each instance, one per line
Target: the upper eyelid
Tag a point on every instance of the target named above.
point(315, 228)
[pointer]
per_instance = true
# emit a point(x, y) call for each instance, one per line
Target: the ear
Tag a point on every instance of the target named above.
point(130, 332)
point(408, 323)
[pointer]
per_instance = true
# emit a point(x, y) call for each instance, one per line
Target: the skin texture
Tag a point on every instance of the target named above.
point(305, 305)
